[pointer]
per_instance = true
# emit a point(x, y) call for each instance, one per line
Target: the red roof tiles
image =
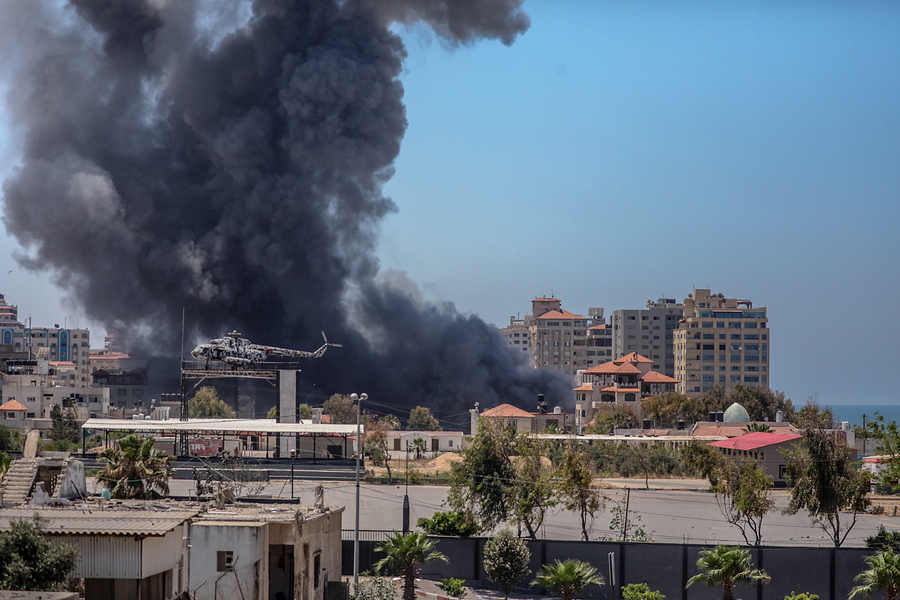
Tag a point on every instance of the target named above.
point(753, 441)
point(506, 410)
point(14, 406)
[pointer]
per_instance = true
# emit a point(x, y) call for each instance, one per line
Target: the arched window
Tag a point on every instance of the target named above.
point(607, 398)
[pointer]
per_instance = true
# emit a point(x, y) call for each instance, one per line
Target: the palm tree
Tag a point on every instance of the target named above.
point(419, 446)
point(883, 575)
point(404, 554)
point(567, 578)
point(136, 469)
point(727, 566)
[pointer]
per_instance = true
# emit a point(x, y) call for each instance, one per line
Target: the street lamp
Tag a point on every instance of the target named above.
point(293, 456)
point(359, 400)
point(406, 495)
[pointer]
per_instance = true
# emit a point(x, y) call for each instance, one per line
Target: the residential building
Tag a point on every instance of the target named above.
point(559, 337)
point(518, 334)
point(766, 449)
point(648, 331)
point(721, 341)
point(137, 550)
point(399, 442)
point(38, 385)
point(527, 422)
point(621, 382)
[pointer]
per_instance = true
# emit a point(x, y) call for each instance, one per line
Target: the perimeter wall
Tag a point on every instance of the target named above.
point(828, 572)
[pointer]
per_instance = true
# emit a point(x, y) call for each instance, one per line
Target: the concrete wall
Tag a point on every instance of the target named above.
point(828, 572)
point(249, 544)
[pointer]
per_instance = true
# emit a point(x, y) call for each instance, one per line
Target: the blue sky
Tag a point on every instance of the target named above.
point(623, 151)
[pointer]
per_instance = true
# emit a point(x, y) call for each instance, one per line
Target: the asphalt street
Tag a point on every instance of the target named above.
point(675, 511)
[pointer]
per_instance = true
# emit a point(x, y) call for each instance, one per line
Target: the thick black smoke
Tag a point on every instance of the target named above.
point(232, 163)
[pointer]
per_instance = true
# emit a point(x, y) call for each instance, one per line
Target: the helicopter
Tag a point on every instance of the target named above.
point(241, 352)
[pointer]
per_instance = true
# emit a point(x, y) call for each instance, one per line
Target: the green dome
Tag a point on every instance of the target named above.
point(737, 414)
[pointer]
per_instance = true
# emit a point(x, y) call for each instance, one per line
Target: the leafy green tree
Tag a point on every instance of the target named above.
point(63, 425)
point(135, 469)
point(743, 492)
point(757, 427)
point(532, 488)
point(304, 412)
point(628, 524)
point(341, 409)
point(506, 559)
point(609, 418)
point(884, 540)
point(10, 439)
point(887, 439)
point(375, 440)
point(404, 553)
point(666, 409)
point(568, 578)
point(29, 560)
point(576, 489)
point(640, 591)
point(762, 404)
point(5, 461)
point(883, 575)
point(727, 566)
point(421, 419)
point(206, 404)
point(826, 484)
point(812, 416)
point(479, 484)
point(702, 460)
point(449, 523)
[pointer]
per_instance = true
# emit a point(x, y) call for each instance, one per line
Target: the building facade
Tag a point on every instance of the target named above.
point(619, 383)
point(648, 331)
point(721, 341)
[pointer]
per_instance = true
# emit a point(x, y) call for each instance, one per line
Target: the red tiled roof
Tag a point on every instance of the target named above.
point(633, 357)
point(506, 410)
point(560, 314)
point(657, 377)
point(544, 300)
point(598, 327)
point(584, 388)
point(13, 405)
point(753, 441)
point(605, 368)
point(628, 369)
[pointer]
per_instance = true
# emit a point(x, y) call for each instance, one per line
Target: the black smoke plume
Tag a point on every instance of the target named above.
point(230, 160)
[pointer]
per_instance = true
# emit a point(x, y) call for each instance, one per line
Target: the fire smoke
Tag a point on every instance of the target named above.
point(230, 160)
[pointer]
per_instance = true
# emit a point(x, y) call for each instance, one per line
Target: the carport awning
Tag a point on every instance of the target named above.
point(233, 426)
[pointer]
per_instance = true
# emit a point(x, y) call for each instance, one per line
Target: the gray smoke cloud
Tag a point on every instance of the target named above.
point(230, 160)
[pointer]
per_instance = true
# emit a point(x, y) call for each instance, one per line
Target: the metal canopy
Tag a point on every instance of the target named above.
point(248, 426)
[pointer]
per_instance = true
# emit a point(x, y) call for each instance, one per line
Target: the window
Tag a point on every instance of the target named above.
point(720, 324)
point(750, 325)
point(629, 397)
point(317, 567)
point(734, 325)
point(122, 392)
point(707, 325)
point(735, 336)
point(225, 560)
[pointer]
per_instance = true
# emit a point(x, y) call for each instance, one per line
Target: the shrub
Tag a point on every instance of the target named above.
point(641, 591)
point(448, 523)
point(453, 587)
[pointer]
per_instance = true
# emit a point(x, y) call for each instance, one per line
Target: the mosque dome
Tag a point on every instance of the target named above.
point(737, 414)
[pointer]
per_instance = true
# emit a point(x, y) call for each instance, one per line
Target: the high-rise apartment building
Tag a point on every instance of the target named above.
point(721, 341)
point(559, 340)
point(649, 332)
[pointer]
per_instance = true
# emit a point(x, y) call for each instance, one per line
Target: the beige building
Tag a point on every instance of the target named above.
point(648, 331)
point(621, 382)
point(721, 341)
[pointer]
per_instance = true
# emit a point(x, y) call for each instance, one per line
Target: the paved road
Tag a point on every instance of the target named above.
point(681, 513)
